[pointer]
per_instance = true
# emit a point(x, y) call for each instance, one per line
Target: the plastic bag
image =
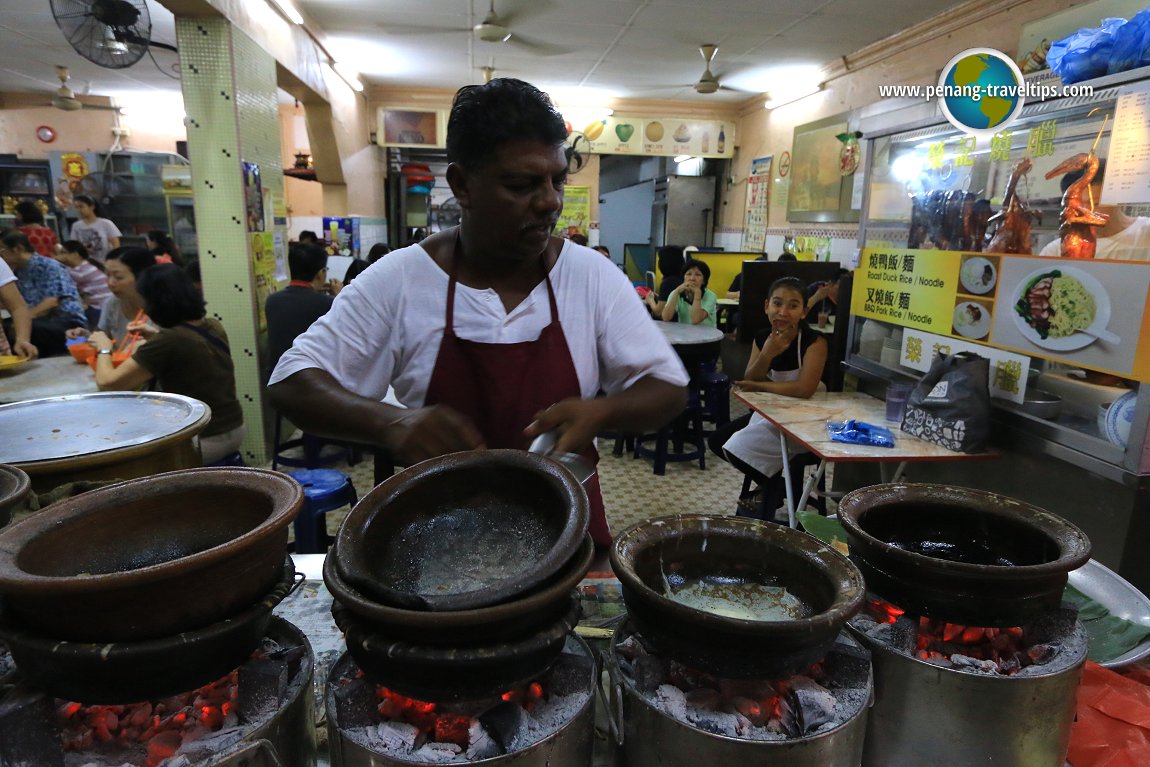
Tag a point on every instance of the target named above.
point(1084, 54)
point(1131, 44)
point(860, 433)
point(1112, 726)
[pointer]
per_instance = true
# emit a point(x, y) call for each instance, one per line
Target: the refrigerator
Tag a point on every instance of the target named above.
point(683, 212)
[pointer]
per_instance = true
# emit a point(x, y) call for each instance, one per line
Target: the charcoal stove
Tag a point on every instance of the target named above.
point(273, 712)
point(371, 726)
point(975, 661)
point(794, 722)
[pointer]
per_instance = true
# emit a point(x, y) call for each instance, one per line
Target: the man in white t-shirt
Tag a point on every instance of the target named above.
point(492, 332)
point(21, 318)
point(98, 235)
point(1122, 238)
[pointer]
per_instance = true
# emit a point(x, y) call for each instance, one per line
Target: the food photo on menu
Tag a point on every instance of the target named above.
point(1086, 312)
point(972, 319)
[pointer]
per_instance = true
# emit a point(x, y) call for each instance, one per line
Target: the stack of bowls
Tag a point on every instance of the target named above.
point(175, 574)
point(454, 578)
point(14, 488)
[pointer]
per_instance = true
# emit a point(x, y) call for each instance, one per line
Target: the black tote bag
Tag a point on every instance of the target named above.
point(950, 406)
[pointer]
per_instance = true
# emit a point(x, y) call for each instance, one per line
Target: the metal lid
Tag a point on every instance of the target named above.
point(83, 424)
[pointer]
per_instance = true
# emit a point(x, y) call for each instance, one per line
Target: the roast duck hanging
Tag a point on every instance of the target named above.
point(1013, 232)
point(953, 220)
point(1078, 218)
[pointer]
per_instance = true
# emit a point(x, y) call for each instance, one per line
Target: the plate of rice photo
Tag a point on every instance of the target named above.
point(971, 320)
point(1053, 305)
point(978, 275)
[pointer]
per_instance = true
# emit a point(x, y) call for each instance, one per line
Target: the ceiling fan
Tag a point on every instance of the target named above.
point(65, 98)
point(708, 82)
point(495, 28)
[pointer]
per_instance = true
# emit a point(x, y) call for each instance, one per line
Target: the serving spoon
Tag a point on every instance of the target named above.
point(1102, 334)
point(544, 445)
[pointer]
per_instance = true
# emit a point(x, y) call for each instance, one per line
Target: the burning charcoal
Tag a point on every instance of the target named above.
point(903, 635)
point(27, 733)
point(398, 736)
point(503, 723)
point(809, 706)
point(847, 664)
point(717, 722)
point(1011, 665)
point(438, 753)
point(355, 703)
point(748, 709)
point(262, 685)
point(631, 648)
point(648, 672)
point(704, 698)
point(935, 659)
point(687, 678)
point(672, 701)
point(755, 689)
point(965, 661)
point(1041, 653)
point(480, 744)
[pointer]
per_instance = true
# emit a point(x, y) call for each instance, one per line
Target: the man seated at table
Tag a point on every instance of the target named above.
point(47, 289)
point(823, 296)
point(292, 310)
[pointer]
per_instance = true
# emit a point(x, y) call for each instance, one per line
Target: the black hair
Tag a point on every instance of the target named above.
point(790, 283)
point(77, 247)
point(192, 269)
point(1074, 175)
point(788, 257)
point(671, 259)
point(134, 257)
point(13, 238)
point(378, 251)
point(692, 263)
point(29, 213)
point(169, 295)
point(88, 200)
point(603, 249)
point(164, 244)
point(579, 239)
point(354, 269)
point(307, 236)
point(485, 117)
point(306, 260)
point(838, 275)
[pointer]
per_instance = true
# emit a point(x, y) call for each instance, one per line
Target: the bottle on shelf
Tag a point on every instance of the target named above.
point(722, 140)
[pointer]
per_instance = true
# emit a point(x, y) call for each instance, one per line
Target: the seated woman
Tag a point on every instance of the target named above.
point(787, 358)
point(671, 262)
point(89, 275)
point(692, 303)
point(126, 305)
point(189, 355)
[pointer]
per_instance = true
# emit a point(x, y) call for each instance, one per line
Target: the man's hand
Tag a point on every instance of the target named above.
point(26, 349)
point(577, 420)
point(427, 432)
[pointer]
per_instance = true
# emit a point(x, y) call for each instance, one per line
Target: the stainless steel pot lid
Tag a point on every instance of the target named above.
point(83, 424)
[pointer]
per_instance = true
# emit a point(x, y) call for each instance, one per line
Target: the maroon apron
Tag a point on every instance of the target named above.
point(501, 387)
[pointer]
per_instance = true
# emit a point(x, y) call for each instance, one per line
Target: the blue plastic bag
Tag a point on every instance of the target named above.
point(1084, 54)
point(860, 433)
point(1131, 44)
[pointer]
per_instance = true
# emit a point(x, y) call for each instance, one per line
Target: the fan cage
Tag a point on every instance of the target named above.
point(114, 34)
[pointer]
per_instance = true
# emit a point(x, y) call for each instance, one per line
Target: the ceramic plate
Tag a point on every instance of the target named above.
point(1117, 595)
point(978, 275)
point(1075, 340)
point(966, 326)
point(9, 361)
point(1119, 416)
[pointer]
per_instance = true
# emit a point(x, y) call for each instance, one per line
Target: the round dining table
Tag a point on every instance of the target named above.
point(682, 334)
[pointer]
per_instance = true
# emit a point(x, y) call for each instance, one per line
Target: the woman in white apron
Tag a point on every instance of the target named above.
point(787, 358)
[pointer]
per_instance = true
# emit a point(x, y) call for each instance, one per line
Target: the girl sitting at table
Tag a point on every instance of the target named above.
point(692, 303)
point(787, 358)
point(126, 305)
point(188, 355)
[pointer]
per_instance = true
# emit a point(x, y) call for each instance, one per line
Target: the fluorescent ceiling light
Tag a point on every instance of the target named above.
point(787, 97)
point(289, 11)
point(349, 75)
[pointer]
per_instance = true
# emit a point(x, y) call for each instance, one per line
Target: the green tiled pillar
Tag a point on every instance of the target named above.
point(230, 98)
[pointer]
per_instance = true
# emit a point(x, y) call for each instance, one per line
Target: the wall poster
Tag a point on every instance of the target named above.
point(253, 197)
point(576, 216)
point(758, 204)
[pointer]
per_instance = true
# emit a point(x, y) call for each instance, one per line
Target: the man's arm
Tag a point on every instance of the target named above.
point(314, 401)
point(44, 307)
point(11, 299)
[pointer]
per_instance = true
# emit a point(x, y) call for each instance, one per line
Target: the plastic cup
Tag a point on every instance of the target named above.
point(896, 396)
point(824, 317)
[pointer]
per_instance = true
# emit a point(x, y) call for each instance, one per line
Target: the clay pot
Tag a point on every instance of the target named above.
point(126, 672)
point(962, 555)
point(14, 488)
point(151, 557)
point(463, 531)
point(660, 557)
point(498, 622)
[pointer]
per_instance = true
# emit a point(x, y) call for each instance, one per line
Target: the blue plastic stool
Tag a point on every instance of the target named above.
point(324, 490)
point(673, 439)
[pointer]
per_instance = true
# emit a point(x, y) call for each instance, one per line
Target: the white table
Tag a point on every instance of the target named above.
point(50, 377)
point(682, 334)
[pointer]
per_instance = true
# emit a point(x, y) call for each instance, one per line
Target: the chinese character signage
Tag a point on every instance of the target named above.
point(1091, 314)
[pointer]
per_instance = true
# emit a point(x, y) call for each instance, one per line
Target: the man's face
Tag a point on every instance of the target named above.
point(16, 259)
point(511, 204)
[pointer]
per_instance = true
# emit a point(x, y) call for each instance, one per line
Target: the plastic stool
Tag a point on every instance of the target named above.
point(324, 490)
point(715, 392)
point(313, 450)
point(670, 440)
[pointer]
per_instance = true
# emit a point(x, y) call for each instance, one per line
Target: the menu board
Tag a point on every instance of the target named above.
point(661, 136)
point(1090, 314)
point(1128, 173)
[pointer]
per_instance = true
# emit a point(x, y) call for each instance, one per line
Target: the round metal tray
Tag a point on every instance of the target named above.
point(1117, 595)
point(83, 424)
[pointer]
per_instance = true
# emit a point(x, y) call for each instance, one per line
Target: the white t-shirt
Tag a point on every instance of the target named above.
point(95, 236)
point(6, 273)
point(1131, 244)
point(386, 326)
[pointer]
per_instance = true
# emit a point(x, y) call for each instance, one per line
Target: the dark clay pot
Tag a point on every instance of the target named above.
point(463, 531)
point(653, 556)
point(961, 555)
point(508, 620)
point(149, 558)
point(126, 672)
point(14, 488)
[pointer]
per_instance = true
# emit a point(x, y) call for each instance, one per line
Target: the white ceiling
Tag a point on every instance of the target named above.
point(646, 49)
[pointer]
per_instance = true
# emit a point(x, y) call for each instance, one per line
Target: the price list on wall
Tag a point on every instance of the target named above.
point(1128, 160)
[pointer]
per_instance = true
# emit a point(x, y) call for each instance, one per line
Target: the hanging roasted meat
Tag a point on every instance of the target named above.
point(919, 226)
point(979, 219)
point(1078, 217)
point(1013, 232)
